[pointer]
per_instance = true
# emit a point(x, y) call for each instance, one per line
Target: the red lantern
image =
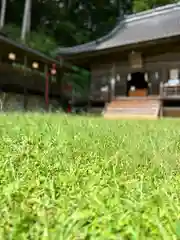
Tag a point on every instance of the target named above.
point(53, 69)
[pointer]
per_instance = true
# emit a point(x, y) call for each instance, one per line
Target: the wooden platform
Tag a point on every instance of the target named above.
point(133, 108)
point(173, 112)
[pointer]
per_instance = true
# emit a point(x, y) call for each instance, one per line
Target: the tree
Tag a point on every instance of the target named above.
point(67, 22)
point(3, 13)
point(140, 5)
point(26, 19)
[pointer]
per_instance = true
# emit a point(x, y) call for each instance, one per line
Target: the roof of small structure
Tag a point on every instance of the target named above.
point(25, 50)
point(159, 23)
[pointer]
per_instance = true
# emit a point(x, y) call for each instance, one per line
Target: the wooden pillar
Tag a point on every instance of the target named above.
point(164, 75)
point(89, 93)
point(60, 86)
point(60, 77)
point(161, 90)
point(52, 77)
point(121, 84)
point(161, 104)
point(109, 92)
point(113, 82)
point(154, 78)
point(46, 70)
point(25, 103)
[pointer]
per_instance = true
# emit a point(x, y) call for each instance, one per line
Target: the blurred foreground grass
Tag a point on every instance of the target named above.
point(88, 178)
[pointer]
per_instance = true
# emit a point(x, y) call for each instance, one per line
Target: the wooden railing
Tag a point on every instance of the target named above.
point(170, 91)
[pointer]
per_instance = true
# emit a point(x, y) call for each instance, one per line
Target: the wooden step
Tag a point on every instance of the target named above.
point(132, 110)
point(129, 108)
point(131, 105)
point(130, 116)
point(116, 103)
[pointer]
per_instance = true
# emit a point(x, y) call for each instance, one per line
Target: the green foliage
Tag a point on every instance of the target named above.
point(13, 31)
point(140, 5)
point(86, 178)
point(41, 41)
point(80, 83)
point(37, 40)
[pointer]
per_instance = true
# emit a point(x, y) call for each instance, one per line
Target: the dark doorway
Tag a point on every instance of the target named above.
point(137, 81)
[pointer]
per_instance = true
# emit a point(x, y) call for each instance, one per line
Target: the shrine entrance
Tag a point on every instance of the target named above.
point(137, 86)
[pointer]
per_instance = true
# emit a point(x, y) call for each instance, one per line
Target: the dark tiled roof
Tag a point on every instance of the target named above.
point(159, 23)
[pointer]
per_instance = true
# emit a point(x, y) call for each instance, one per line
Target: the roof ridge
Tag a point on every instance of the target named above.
point(138, 16)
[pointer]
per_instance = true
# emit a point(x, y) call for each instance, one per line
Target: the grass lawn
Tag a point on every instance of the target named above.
point(89, 178)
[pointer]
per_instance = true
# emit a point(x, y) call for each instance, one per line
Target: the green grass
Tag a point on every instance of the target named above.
point(89, 178)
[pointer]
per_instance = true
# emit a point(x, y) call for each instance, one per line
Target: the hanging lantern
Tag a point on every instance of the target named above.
point(12, 56)
point(156, 75)
point(118, 78)
point(146, 77)
point(113, 81)
point(53, 69)
point(129, 77)
point(35, 65)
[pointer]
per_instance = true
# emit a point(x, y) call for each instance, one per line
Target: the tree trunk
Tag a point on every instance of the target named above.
point(28, 29)
point(26, 19)
point(3, 13)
